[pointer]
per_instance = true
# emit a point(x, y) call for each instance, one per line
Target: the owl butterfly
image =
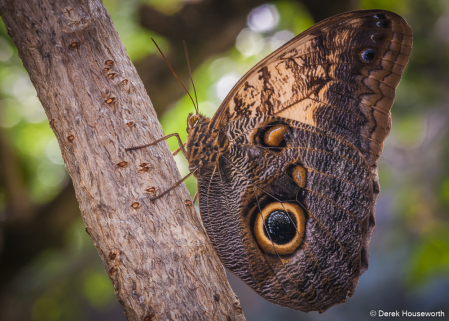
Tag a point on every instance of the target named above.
point(286, 169)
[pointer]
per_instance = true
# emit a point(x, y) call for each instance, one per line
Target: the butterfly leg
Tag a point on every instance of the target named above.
point(181, 145)
point(195, 197)
point(173, 186)
point(178, 149)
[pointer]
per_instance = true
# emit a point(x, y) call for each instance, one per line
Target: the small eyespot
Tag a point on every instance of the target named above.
point(299, 174)
point(274, 136)
point(380, 16)
point(368, 55)
point(383, 23)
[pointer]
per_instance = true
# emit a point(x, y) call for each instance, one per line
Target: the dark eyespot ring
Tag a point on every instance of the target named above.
point(368, 55)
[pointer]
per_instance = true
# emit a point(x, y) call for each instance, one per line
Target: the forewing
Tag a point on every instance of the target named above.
point(339, 76)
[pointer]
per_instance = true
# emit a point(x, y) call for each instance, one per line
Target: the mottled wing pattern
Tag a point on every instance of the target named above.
point(339, 76)
point(289, 201)
point(336, 196)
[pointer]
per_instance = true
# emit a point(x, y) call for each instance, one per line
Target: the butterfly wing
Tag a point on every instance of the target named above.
point(315, 262)
point(289, 205)
point(340, 76)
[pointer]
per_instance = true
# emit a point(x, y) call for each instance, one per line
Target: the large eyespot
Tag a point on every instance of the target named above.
point(192, 121)
point(368, 55)
point(279, 228)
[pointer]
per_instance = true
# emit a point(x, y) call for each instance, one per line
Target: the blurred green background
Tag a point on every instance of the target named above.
point(49, 268)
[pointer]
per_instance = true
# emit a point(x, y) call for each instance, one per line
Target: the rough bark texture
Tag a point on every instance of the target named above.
point(157, 255)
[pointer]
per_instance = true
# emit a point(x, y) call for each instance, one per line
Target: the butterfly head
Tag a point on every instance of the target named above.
point(193, 120)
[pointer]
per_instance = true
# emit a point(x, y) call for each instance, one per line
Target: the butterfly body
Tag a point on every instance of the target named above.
point(286, 168)
point(204, 144)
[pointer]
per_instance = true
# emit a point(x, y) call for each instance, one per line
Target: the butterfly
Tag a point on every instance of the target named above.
point(286, 168)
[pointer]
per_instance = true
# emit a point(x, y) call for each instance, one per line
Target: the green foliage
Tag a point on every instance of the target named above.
point(398, 6)
point(167, 7)
point(97, 288)
point(54, 306)
point(60, 281)
point(444, 193)
point(409, 130)
point(295, 16)
point(430, 258)
point(135, 38)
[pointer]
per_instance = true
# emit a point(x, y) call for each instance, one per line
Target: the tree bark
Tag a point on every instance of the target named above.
point(157, 255)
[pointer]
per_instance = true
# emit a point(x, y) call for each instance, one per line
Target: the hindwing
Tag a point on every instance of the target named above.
point(317, 176)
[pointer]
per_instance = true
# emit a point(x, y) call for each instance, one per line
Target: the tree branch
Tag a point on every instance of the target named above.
point(160, 261)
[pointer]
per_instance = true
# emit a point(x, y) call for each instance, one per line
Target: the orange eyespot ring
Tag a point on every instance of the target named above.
point(279, 228)
point(193, 120)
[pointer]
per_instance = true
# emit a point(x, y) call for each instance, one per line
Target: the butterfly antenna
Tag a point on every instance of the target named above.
point(191, 79)
point(174, 72)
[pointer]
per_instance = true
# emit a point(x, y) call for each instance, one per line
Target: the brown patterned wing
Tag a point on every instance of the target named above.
point(313, 259)
point(339, 76)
